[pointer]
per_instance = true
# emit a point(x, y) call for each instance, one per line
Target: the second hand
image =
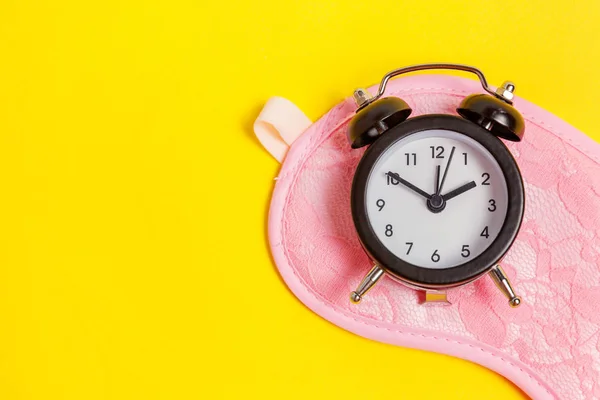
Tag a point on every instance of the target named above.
point(446, 171)
point(437, 179)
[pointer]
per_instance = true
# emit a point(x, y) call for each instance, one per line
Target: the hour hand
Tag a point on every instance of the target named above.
point(453, 193)
point(408, 184)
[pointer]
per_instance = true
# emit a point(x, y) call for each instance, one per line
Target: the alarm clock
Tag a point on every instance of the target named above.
point(437, 200)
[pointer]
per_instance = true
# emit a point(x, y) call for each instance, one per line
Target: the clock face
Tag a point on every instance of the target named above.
point(436, 198)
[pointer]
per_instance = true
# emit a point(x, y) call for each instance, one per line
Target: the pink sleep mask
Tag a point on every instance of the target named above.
point(549, 346)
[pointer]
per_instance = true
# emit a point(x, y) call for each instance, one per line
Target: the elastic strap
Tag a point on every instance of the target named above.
point(280, 123)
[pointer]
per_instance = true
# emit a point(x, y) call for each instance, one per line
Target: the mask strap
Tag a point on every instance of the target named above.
point(278, 125)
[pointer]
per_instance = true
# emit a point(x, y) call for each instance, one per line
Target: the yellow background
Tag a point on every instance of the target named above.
point(133, 254)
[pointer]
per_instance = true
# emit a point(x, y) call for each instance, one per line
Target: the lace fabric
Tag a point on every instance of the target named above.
point(554, 264)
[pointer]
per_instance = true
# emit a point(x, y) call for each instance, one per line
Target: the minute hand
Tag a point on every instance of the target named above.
point(409, 185)
point(453, 193)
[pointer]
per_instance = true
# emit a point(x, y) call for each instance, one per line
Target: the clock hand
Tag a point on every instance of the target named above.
point(453, 193)
point(437, 178)
point(408, 184)
point(439, 189)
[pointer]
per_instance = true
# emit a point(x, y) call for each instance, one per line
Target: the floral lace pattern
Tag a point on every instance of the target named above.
point(554, 264)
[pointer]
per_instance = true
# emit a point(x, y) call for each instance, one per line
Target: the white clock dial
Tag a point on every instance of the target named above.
point(423, 235)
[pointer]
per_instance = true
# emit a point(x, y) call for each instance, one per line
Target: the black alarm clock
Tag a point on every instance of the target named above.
point(437, 200)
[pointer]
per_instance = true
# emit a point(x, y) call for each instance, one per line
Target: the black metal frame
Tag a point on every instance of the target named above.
point(426, 277)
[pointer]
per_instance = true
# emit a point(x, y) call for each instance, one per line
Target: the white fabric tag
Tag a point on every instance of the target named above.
point(280, 123)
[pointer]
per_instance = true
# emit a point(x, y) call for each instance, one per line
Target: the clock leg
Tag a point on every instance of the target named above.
point(502, 282)
point(367, 283)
